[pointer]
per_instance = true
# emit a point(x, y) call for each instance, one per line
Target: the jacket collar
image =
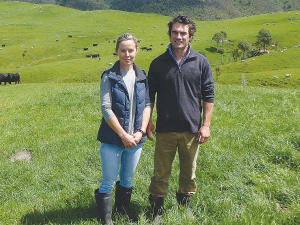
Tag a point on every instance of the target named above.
point(167, 55)
point(115, 70)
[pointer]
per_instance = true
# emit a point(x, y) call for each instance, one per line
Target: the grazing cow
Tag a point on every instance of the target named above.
point(3, 46)
point(3, 78)
point(95, 55)
point(143, 48)
point(89, 55)
point(95, 45)
point(15, 77)
point(85, 49)
point(9, 77)
point(70, 36)
point(149, 49)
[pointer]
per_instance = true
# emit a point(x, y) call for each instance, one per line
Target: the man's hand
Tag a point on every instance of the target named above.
point(203, 134)
point(150, 130)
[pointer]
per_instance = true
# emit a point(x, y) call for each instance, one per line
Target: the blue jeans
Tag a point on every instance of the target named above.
point(111, 158)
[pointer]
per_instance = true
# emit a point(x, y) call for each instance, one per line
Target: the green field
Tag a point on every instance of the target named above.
point(248, 173)
point(51, 56)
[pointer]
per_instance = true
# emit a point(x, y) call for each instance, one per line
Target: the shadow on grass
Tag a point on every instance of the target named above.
point(73, 215)
point(211, 49)
point(61, 216)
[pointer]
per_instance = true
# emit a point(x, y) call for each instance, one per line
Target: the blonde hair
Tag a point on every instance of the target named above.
point(124, 37)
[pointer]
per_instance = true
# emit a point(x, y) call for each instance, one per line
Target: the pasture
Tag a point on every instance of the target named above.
point(248, 173)
point(45, 43)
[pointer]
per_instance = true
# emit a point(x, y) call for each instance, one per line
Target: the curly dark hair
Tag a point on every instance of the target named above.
point(185, 20)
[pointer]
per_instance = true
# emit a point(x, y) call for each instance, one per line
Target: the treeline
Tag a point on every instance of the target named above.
point(197, 9)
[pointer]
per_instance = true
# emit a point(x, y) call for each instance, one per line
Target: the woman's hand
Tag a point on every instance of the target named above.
point(128, 140)
point(137, 137)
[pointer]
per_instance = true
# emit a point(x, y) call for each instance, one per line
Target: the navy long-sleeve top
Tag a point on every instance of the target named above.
point(180, 90)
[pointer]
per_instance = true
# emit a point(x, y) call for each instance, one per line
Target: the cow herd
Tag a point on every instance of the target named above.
point(9, 78)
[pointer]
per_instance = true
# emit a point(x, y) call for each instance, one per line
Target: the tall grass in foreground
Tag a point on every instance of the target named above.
point(248, 173)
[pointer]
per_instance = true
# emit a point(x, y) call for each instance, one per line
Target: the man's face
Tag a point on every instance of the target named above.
point(180, 37)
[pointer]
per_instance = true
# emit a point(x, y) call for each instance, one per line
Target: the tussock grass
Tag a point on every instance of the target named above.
point(247, 173)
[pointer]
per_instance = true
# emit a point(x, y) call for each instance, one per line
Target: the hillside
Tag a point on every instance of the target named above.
point(42, 48)
point(198, 9)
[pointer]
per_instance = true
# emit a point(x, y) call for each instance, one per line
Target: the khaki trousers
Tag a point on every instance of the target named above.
point(165, 151)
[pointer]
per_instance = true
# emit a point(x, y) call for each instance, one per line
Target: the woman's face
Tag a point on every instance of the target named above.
point(126, 52)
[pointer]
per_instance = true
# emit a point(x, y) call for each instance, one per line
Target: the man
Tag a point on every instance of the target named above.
point(181, 78)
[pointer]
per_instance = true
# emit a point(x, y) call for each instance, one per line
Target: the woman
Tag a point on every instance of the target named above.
point(125, 108)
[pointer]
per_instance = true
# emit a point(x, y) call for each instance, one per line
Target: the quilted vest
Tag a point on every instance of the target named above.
point(121, 104)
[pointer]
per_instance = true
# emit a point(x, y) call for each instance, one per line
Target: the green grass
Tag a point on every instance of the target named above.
point(247, 173)
point(35, 28)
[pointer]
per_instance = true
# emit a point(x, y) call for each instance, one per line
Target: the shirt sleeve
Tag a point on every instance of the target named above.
point(105, 98)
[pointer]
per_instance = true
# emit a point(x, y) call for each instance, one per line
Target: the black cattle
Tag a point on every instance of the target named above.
point(95, 45)
point(15, 77)
point(89, 55)
point(115, 54)
point(95, 55)
point(4, 77)
point(9, 77)
point(143, 48)
point(3, 46)
point(70, 36)
point(149, 49)
point(85, 49)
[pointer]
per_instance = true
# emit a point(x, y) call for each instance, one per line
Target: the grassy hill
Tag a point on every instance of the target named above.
point(38, 47)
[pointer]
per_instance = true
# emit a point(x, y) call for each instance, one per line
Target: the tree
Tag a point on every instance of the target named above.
point(244, 46)
point(264, 38)
point(218, 37)
point(224, 36)
point(218, 73)
point(221, 51)
point(235, 54)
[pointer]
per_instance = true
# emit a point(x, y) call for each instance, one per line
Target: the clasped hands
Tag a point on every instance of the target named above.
point(131, 141)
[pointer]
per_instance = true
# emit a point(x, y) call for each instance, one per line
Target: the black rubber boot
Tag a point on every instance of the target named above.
point(183, 199)
point(157, 205)
point(122, 198)
point(104, 206)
